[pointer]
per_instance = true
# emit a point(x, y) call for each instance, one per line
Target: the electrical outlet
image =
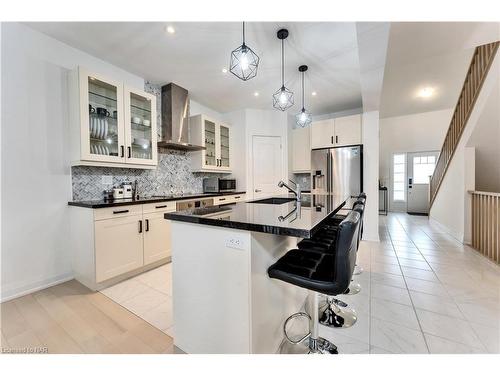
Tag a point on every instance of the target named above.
point(235, 243)
point(107, 180)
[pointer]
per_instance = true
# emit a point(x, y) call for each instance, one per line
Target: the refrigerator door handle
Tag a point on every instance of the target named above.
point(328, 171)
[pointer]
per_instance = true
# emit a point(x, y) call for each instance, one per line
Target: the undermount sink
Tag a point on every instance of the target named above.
point(273, 200)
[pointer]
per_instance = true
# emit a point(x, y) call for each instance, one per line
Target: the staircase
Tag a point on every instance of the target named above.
point(478, 70)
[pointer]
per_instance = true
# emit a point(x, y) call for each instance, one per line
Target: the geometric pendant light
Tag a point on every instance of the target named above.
point(283, 98)
point(244, 62)
point(303, 118)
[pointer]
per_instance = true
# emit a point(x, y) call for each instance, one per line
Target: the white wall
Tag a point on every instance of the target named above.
point(371, 174)
point(412, 133)
point(36, 182)
point(450, 206)
point(486, 140)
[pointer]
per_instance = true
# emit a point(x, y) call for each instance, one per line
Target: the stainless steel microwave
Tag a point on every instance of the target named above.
point(218, 185)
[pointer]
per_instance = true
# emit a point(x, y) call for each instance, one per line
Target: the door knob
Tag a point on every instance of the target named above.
point(258, 190)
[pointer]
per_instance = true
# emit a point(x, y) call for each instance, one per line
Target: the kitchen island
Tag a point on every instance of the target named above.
point(223, 300)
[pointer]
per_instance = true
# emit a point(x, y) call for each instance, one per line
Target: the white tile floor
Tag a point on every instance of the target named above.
point(422, 292)
point(148, 295)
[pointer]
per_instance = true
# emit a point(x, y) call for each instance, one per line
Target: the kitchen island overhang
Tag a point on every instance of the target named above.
point(223, 299)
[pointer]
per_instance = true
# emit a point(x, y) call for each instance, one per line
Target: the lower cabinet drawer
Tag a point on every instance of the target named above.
point(223, 200)
point(118, 211)
point(118, 246)
point(158, 207)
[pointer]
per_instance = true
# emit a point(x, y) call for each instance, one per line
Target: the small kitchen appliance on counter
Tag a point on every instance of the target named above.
point(218, 185)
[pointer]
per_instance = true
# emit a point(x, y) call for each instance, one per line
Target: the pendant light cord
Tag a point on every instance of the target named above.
point(303, 90)
point(243, 32)
point(282, 62)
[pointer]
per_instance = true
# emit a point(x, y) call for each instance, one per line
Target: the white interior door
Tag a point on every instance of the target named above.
point(420, 166)
point(267, 165)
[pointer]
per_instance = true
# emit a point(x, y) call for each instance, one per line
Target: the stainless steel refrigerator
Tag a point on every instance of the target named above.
point(337, 170)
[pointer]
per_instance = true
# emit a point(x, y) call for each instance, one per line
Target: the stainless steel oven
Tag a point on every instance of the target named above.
point(218, 185)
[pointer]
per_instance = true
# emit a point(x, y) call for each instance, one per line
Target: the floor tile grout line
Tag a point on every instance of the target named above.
point(411, 299)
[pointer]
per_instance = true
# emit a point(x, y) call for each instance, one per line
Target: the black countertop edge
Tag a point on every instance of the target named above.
point(128, 202)
point(252, 227)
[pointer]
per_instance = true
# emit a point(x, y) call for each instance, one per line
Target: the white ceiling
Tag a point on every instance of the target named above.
point(424, 54)
point(194, 56)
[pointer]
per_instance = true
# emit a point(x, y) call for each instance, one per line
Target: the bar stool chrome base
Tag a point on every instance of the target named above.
point(336, 314)
point(358, 270)
point(354, 288)
point(311, 342)
point(310, 346)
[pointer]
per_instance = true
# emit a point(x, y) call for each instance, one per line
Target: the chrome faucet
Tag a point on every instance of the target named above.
point(297, 192)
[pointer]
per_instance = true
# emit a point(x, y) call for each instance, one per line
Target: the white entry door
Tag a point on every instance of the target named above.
point(267, 165)
point(420, 168)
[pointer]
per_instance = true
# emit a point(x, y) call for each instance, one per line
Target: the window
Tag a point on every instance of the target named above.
point(398, 178)
point(423, 168)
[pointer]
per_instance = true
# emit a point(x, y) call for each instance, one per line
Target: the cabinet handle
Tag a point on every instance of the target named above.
point(129, 151)
point(123, 150)
point(222, 199)
point(336, 139)
point(164, 206)
point(147, 225)
point(140, 226)
point(237, 197)
point(120, 212)
point(332, 140)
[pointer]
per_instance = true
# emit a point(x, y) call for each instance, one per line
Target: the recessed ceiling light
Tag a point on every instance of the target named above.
point(256, 93)
point(224, 70)
point(426, 92)
point(314, 93)
point(170, 29)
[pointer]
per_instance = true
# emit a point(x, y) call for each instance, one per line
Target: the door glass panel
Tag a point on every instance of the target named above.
point(423, 170)
point(224, 146)
point(210, 155)
point(103, 118)
point(140, 124)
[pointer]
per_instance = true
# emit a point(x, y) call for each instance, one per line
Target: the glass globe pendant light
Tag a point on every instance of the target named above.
point(244, 62)
point(283, 98)
point(303, 118)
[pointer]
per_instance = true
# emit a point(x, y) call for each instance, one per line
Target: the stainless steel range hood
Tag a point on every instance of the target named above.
point(175, 119)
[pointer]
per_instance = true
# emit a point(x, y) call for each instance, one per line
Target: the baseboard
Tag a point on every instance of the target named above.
point(33, 287)
point(458, 236)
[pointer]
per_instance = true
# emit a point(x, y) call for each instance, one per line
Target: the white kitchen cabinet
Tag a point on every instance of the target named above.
point(301, 150)
point(348, 130)
point(111, 124)
point(118, 246)
point(227, 199)
point(323, 134)
point(216, 137)
point(157, 239)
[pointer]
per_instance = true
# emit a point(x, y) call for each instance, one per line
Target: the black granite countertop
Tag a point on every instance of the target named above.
point(154, 199)
point(286, 219)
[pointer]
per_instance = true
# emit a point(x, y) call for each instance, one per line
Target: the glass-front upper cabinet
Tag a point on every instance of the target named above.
point(140, 127)
point(102, 119)
point(215, 137)
point(224, 146)
point(111, 125)
point(210, 143)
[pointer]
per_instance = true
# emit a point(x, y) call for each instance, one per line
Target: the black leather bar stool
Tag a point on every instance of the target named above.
point(328, 273)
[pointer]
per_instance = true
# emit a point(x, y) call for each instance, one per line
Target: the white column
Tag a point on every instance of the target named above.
point(371, 173)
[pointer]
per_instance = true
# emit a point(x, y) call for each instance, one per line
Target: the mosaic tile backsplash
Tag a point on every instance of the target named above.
point(304, 180)
point(173, 176)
